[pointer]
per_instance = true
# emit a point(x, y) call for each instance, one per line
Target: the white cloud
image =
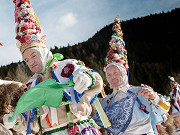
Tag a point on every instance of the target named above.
point(67, 21)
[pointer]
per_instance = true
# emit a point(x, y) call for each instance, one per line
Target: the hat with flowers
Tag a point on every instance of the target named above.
point(175, 97)
point(29, 32)
point(117, 54)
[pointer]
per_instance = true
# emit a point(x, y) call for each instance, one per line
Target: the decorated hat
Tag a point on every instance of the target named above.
point(29, 32)
point(117, 53)
point(175, 97)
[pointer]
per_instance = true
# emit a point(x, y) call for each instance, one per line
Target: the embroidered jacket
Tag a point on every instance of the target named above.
point(132, 113)
point(63, 71)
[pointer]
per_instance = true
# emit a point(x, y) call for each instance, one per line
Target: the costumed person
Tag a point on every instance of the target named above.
point(175, 101)
point(71, 86)
point(132, 110)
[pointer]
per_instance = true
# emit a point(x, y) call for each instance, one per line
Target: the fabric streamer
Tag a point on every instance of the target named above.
point(36, 18)
point(48, 92)
point(103, 116)
point(15, 11)
point(73, 100)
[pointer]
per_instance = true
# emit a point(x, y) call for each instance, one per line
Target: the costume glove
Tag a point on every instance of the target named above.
point(8, 124)
point(82, 81)
point(4, 130)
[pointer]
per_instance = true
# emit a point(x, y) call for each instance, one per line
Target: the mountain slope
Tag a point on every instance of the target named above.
point(153, 49)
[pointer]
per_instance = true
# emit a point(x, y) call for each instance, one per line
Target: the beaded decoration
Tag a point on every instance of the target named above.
point(29, 32)
point(90, 121)
point(117, 52)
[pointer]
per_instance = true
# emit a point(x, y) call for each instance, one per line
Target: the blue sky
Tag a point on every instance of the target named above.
point(73, 21)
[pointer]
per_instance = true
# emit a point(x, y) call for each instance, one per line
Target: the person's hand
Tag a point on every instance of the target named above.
point(82, 82)
point(147, 93)
point(6, 122)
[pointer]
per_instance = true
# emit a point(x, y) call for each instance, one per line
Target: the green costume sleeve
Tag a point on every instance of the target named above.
point(48, 92)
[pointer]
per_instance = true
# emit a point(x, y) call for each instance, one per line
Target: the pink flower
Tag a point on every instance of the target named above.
point(73, 130)
point(116, 56)
point(26, 25)
point(126, 66)
point(28, 39)
point(31, 25)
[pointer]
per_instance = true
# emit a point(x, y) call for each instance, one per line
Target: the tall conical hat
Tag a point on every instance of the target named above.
point(117, 52)
point(175, 96)
point(29, 32)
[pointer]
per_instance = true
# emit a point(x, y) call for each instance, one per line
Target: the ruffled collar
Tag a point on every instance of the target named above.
point(123, 89)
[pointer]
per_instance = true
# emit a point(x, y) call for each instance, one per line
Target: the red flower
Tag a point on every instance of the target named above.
point(142, 107)
point(74, 130)
point(172, 101)
point(23, 0)
point(118, 60)
point(23, 29)
point(178, 101)
point(28, 39)
point(27, 86)
point(38, 28)
point(67, 70)
point(22, 40)
point(54, 65)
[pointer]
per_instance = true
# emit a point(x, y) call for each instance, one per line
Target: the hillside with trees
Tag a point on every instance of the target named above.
point(153, 49)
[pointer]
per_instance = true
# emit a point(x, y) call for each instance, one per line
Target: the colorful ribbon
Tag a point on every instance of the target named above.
point(103, 116)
